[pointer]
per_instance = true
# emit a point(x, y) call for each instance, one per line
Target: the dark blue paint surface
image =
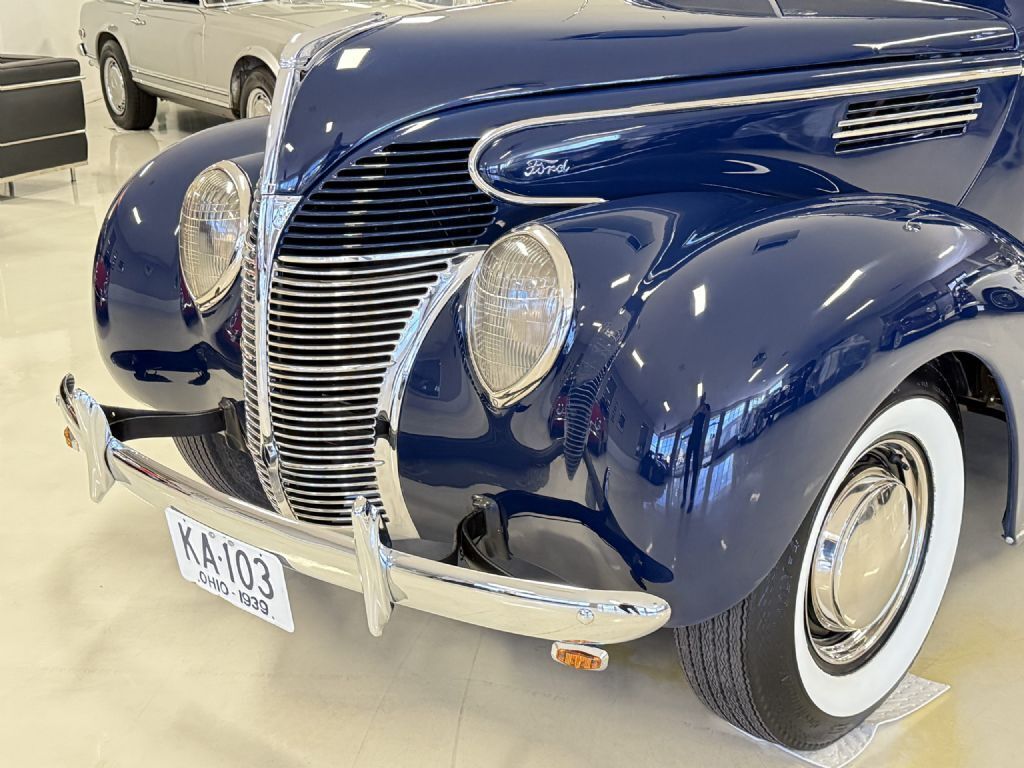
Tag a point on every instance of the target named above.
point(824, 279)
point(748, 404)
point(156, 344)
point(546, 46)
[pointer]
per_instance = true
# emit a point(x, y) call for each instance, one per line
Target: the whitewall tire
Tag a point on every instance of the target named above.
point(863, 688)
point(836, 625)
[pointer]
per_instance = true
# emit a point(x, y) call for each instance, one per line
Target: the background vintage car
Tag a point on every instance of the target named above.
point(218, 55)
point(748, 253)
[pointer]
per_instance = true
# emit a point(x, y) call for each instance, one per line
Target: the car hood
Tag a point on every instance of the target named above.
point(454, 52)
point(302, 15)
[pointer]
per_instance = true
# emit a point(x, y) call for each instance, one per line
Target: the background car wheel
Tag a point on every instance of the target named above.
point(226, 469)
point(129, 107)
point(835, 626)
point(1003, 299)
point(257, 93)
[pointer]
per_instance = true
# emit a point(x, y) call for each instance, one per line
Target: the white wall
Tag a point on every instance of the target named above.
point(47, 27)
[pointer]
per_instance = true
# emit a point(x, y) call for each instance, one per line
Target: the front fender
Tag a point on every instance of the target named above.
point(736, 351)
point(156, 344)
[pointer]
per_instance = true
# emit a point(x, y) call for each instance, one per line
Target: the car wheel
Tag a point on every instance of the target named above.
point(129, 106)
point(1003, 299)
point(257, 95)
point(835, 626)
point(228, 470)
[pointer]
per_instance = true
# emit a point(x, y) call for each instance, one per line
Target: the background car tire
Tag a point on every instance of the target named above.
point(754, 665)
point(258, 81)
point(137, 111)
point(1003, 299)
point(226, 469)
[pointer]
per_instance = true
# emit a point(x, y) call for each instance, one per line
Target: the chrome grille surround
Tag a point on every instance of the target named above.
point(270, 218)
point(356, 276)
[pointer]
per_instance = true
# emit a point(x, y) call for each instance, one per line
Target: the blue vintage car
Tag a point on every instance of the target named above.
point(775, 244)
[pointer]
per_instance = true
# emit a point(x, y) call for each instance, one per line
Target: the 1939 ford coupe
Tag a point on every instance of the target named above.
point(582, 319)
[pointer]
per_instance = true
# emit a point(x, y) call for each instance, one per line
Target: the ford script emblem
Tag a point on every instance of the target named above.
point(542, 168)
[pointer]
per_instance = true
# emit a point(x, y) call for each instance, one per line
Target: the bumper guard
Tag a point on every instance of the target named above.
point(362, 562)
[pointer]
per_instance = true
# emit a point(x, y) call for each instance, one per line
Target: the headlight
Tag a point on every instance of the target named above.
point(212, 231)
point(518, 312)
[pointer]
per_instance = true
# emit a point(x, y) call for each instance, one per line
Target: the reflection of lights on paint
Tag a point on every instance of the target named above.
point(983, 33)
point(860, 309)
point(639, 360)
point(289, 147)
point(700, 300)
point(351, 58)
point(667, 409)
point(597, 325)
point(847, 285)
point(419, 124)
point(329, 127)
point(620, 281)
point(946, 252)
point(754, 375)
point(149, 165)
point(135, 214)
point(419, 19)
point(700, 389)
point(782, 370)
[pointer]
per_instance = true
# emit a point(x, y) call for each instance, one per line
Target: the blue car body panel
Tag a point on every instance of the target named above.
point(157, 346)
point(826, 277)
point(800, 333)
point(550, 46)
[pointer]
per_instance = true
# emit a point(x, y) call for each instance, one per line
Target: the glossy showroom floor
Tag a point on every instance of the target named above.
point(108, 658)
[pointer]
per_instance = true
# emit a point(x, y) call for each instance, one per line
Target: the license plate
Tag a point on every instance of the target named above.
point(244, 575)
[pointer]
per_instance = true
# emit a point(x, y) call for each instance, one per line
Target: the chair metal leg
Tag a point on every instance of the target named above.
point(74, 176)
point(10, 189)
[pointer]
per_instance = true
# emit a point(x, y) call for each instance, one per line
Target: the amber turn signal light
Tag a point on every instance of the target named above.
point(68, 437)
point(585, 657)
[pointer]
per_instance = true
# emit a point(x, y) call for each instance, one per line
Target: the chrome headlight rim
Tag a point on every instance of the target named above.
point(505, 397)
point(207, 300)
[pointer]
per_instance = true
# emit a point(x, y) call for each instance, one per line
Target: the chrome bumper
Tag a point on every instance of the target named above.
point(361, 562)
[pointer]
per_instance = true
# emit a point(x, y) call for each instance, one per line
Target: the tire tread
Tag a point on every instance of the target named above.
point(227, 470)
point(712, 657)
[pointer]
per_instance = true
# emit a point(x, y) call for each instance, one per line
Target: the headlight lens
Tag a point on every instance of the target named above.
point(518, 312)
point(211, 235)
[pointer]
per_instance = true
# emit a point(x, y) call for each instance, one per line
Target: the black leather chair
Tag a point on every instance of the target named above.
point(42, 116)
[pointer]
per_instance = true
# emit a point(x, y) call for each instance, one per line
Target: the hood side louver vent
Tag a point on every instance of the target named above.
point(922, 116)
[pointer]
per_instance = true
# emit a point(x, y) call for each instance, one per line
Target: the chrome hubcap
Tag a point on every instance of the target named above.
point(1003, 299)
point(113, 85)
point(258, 104)
point(869, 551)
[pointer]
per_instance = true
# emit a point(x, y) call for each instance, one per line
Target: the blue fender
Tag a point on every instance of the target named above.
point(735, 351)
point(156, 344)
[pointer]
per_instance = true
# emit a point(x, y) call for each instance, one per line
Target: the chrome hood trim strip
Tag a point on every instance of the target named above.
point(817, 93)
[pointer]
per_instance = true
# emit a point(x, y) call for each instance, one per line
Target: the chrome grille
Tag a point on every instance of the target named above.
point(406, 197)
point(360, 258)
point(884, 122)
